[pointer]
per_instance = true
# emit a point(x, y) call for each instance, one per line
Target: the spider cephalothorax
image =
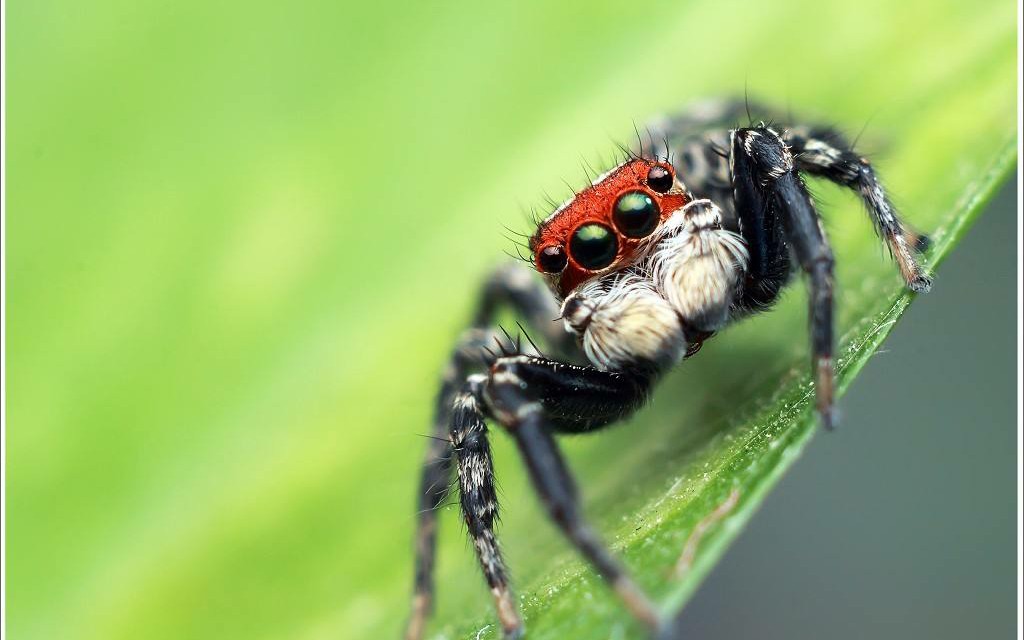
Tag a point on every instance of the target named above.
point(602, 228)
point(644, 265)
point(646, 272)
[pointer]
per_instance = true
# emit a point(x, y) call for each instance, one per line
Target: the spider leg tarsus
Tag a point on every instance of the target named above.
point(825, 392)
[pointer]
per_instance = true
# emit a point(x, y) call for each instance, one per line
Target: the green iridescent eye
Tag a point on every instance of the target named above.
point(635, 214)
point(593, 246)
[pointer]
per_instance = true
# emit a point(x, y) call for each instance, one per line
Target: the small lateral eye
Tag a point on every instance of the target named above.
point(593, 246)
point(659, 178)
point(635, 214)
point(551, 259)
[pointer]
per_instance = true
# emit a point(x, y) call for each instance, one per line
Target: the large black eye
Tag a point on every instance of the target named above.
point(551, 259)
point(659, 178)
point(593, 246)
point(635, 214)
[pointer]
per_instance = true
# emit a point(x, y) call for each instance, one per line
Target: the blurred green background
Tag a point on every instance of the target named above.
point(242, 236)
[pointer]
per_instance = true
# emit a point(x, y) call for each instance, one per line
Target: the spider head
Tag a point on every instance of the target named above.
point(605, 227)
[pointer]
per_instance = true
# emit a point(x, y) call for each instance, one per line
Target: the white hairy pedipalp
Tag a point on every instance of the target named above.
point(686, 277)
point(622, 320)
point(698, 266)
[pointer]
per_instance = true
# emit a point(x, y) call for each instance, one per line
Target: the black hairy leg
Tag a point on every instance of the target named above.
point(509, 286)
point(435, 475)
point(822, 151)
point(697, 142)
point(532, 397)
point(769, 267)
point(764, 165)
point(527, 396)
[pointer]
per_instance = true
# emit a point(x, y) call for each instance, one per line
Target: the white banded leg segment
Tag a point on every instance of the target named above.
point(479, 500)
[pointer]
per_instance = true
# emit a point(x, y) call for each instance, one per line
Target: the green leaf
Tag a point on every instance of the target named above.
point(242, 237)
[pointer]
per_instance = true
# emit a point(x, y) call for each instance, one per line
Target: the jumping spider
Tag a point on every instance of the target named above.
point(656, 256)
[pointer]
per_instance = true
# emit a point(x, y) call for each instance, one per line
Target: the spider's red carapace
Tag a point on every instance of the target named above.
point(596, 205)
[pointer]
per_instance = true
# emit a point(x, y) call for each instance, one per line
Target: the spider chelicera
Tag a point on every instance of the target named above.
point(652, 259)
